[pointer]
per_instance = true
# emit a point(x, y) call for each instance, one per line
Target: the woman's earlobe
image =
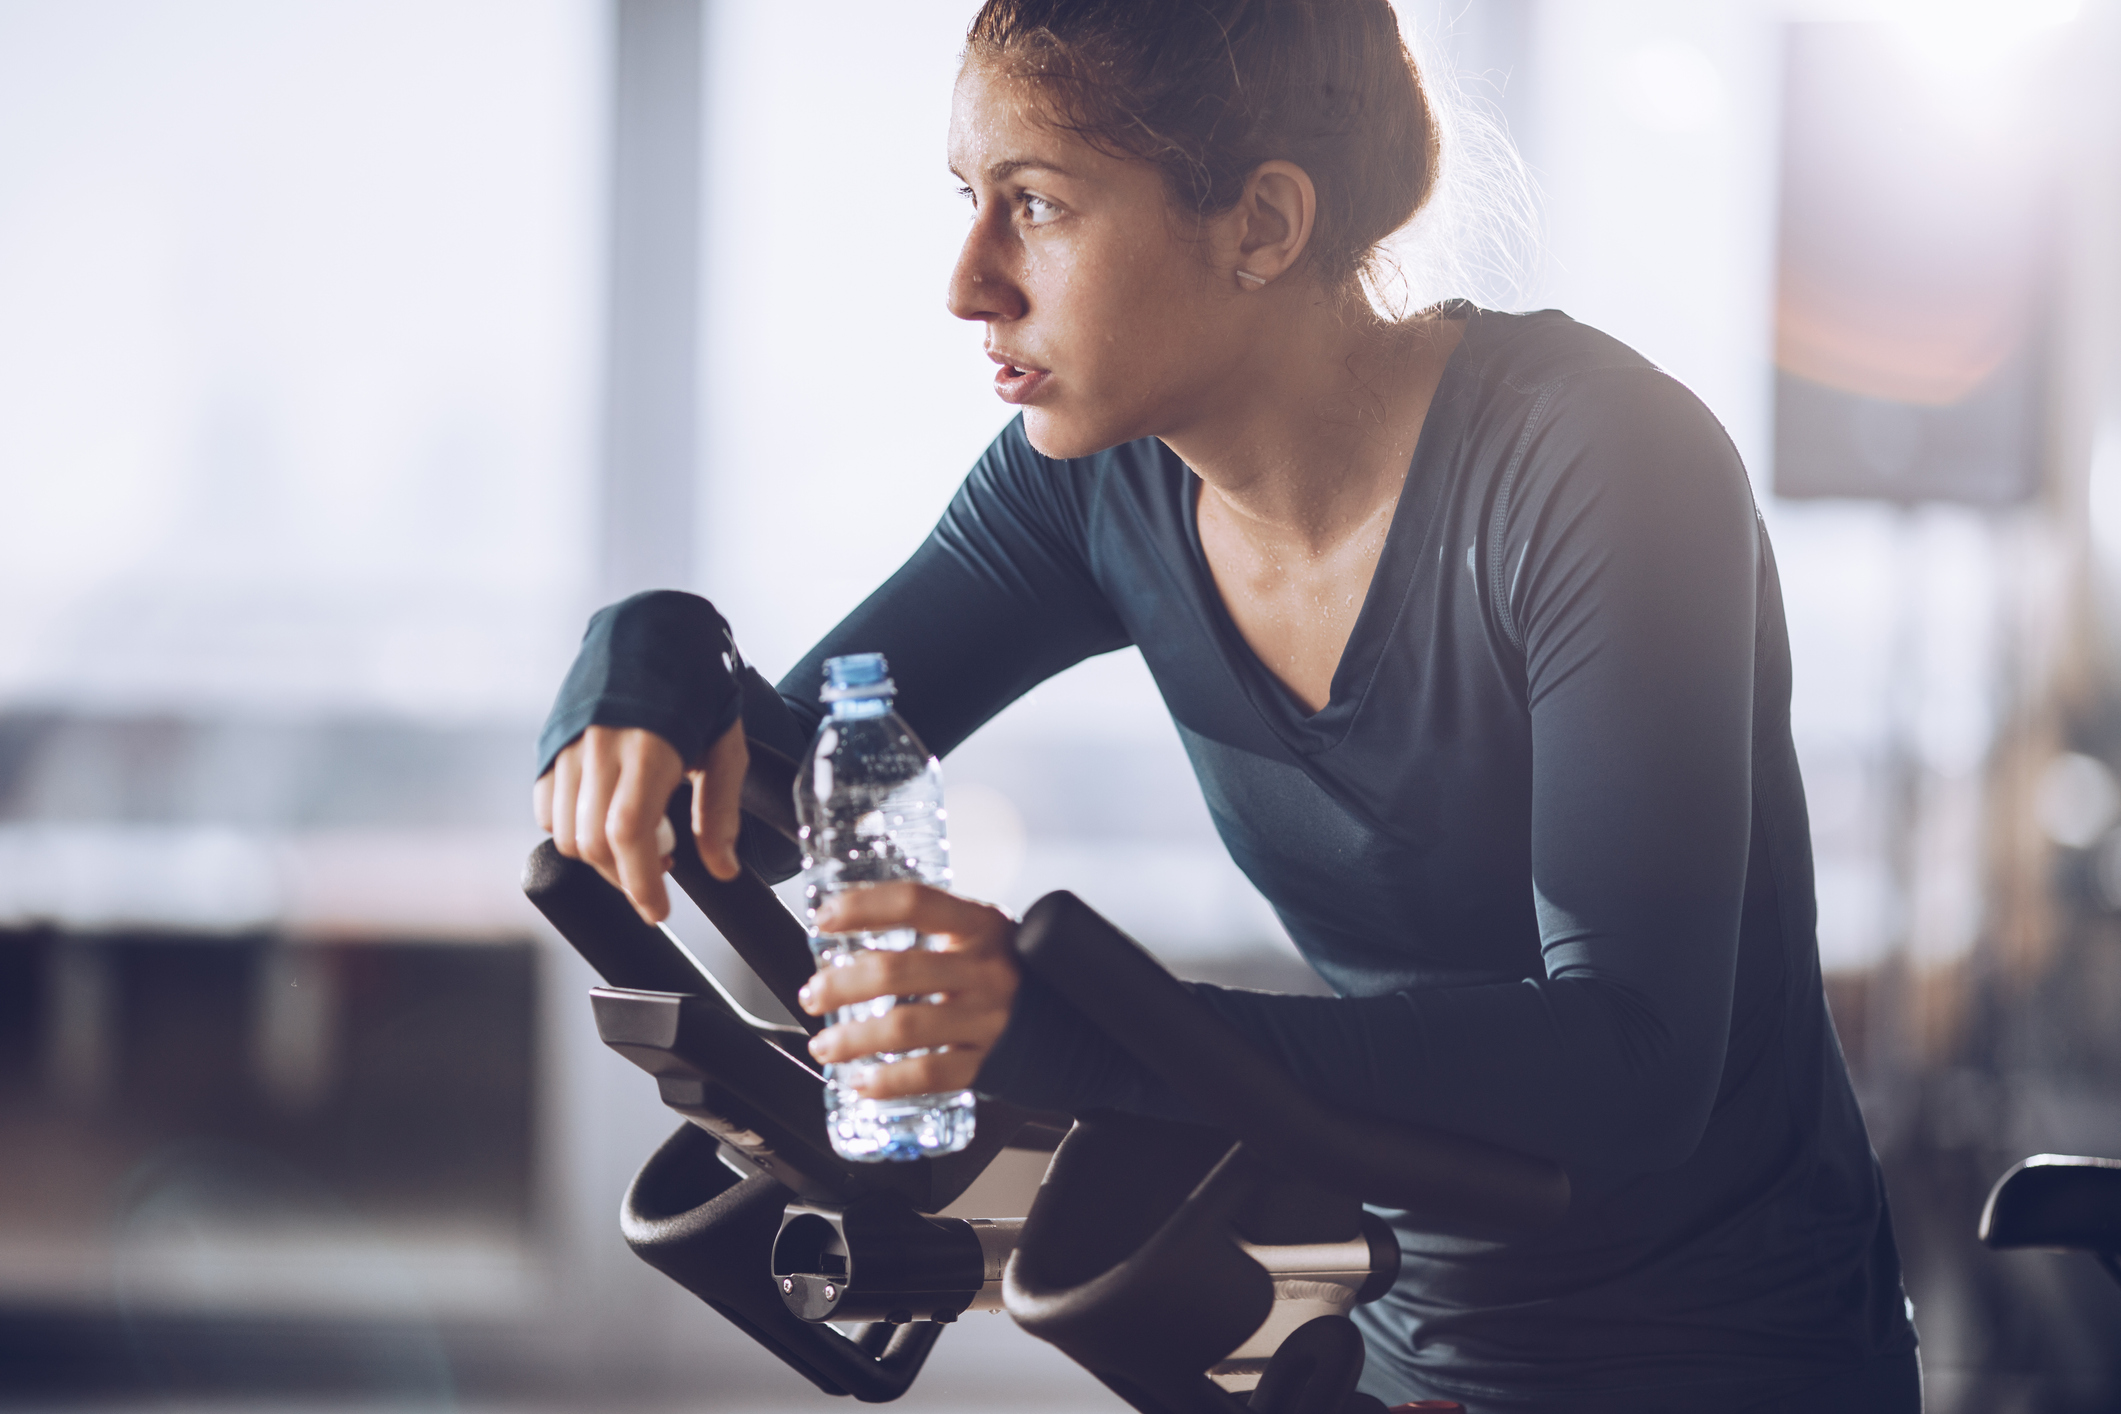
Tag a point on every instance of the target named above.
point(1247, 280)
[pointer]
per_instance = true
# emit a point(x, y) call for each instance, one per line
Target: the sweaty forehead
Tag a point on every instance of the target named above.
point(999, 120)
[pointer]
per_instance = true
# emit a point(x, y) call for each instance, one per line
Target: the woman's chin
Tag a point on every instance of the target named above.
point(1053, 433)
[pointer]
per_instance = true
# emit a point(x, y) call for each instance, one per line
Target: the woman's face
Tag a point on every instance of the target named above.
point(1106, 320)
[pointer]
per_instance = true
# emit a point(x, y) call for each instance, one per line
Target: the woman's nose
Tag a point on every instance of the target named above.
point(981, 285)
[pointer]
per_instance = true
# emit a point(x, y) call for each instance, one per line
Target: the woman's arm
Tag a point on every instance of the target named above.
point(652, 698)
point(999, 598)
point(1629, 561)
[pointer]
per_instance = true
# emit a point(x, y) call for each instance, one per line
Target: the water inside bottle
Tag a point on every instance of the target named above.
point(872, 812)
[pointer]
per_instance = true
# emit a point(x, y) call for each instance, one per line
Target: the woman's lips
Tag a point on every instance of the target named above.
point(1019, 385)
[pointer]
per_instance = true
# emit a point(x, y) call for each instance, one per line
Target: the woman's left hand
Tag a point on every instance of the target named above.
point(970, 967)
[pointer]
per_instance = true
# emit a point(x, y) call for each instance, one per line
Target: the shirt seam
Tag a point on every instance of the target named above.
point(1506, 492)
point(1498, 528)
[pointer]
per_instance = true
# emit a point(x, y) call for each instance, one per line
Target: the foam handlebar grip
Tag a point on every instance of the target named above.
point(1447, 1182)
point(625, 950)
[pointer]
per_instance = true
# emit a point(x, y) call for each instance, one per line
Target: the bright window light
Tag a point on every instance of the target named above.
point(1963, 36)
point(1954, 37)
point(1672, 87)
point(1956, 33)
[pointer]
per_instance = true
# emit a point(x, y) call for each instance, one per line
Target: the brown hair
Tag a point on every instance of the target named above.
point(1209, 89)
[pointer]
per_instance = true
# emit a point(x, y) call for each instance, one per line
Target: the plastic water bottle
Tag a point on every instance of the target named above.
point(870, 800)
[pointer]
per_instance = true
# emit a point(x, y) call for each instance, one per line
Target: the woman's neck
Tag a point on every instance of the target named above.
point(1308, 444)
point(1301, 463)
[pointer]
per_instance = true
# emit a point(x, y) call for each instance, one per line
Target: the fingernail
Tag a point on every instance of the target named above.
point(817, 1049)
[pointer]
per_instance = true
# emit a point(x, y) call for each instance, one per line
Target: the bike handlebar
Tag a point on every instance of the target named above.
point(1452, 1183)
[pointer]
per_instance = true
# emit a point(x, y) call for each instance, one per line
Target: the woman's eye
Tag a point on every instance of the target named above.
point(1038, 211)
point(970, 195)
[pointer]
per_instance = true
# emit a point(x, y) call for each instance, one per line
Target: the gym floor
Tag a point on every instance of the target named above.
point(982, 1364)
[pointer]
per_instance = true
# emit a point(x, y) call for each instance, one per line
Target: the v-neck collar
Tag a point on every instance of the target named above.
point(1406, 545)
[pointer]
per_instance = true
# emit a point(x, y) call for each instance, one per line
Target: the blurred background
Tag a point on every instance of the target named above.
point(352, 353)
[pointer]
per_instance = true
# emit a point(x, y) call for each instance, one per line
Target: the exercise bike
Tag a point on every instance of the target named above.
point(1193, 1269)
point(2063, 1202)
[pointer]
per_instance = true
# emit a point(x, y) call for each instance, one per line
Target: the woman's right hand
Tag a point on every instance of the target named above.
point(606, 792)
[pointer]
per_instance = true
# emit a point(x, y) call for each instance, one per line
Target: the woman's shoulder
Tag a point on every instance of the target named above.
point(1015, 489)
point(1532, 352)
point(1544, 373)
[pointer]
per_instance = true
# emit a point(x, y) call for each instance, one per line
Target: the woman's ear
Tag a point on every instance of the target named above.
point(1264, 235)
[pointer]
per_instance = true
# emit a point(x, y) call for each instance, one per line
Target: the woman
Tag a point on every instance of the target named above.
point(1474, 639)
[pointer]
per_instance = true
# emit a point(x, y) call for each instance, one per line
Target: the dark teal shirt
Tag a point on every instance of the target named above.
point(1547, 841)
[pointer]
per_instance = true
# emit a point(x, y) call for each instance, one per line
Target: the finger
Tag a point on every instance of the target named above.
point(914, 973)
point(638, 856)
point(592, 800)
point(910, 1026)
point(566, 782)
point(541, 801)
point(637, 820)
point(717, 802)
point(936, 1072)
point(880, 907)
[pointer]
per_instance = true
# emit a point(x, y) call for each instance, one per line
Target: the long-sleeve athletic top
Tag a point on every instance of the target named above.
point(1547, 841)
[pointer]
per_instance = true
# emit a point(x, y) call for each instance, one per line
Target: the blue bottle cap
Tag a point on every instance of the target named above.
point(856, 675)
